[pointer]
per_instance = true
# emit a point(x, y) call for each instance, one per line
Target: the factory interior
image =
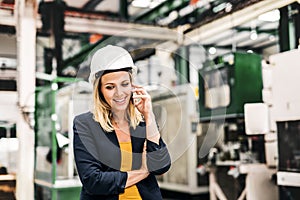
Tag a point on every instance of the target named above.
point(219, 73)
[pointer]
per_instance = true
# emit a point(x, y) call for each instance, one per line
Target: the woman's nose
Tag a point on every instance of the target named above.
point(119, 91)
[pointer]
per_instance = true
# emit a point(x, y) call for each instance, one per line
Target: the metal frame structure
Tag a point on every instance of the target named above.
point(70, 186)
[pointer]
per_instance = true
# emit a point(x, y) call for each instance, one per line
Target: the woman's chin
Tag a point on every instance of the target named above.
point(120, 106)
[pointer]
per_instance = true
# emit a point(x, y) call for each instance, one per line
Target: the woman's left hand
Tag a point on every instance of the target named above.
point(142, 100)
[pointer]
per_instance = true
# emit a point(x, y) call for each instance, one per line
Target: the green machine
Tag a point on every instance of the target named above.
point(55, 173)
point(227, 83)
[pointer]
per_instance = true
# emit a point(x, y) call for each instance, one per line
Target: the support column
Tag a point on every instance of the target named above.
point(296, 20)
point(182, 65)
point(284, 39)
point(123, 9)
point(26, 59)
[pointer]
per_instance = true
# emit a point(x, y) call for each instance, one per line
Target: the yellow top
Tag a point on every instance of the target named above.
point(126, 162)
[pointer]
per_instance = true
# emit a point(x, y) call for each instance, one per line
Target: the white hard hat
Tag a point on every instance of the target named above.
point(110, 58)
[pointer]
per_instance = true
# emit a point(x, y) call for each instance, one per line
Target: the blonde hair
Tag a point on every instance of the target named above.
point(102, 110)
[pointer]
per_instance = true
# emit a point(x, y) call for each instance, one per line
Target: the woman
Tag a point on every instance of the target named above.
point(118, 149)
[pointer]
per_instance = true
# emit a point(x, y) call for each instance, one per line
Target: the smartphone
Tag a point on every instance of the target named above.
point(135, 100)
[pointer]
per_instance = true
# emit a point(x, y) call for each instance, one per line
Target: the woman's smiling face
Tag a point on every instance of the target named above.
point(116, 89)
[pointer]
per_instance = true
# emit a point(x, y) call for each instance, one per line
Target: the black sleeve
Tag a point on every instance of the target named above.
point(90, 170)
point(158, 157)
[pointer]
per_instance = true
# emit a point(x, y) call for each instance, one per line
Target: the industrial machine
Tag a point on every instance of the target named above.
point(209, 130)
point(57, 102)
point(284, 98)
point(278, 118)
point(227, 83)
point(177, 117)
point(235, 158)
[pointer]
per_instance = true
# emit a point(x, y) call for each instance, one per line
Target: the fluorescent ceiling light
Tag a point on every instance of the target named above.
point(212, 50)
point(146, 3)
point(253, 35)
point(141, 3)
point(155, 3)
point(271, 16)
point(220, 7)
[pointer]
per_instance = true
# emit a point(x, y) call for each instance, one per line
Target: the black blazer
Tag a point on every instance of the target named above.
point(98, 159)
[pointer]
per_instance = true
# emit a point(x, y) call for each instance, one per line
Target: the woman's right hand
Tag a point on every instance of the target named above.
point(140, 174)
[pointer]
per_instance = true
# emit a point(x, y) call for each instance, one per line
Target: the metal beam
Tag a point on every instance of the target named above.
point(235, 19)
point(123, 9)
point(91, 5)
point(284, 31)
point(81, 25)
point(297, 24)
point(106, 27)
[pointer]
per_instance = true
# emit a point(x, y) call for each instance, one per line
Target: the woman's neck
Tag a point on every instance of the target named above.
point(119, 117)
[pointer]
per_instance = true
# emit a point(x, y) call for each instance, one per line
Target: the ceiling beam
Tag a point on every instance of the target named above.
point(244, 29)
point(91, 5)
point(232, 20)
point(105, 27)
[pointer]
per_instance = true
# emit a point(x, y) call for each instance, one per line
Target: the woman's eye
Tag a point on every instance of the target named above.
point(109, 87)
point(125, 84)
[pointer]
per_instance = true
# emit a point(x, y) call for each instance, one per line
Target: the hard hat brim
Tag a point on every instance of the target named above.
point(102, 72)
